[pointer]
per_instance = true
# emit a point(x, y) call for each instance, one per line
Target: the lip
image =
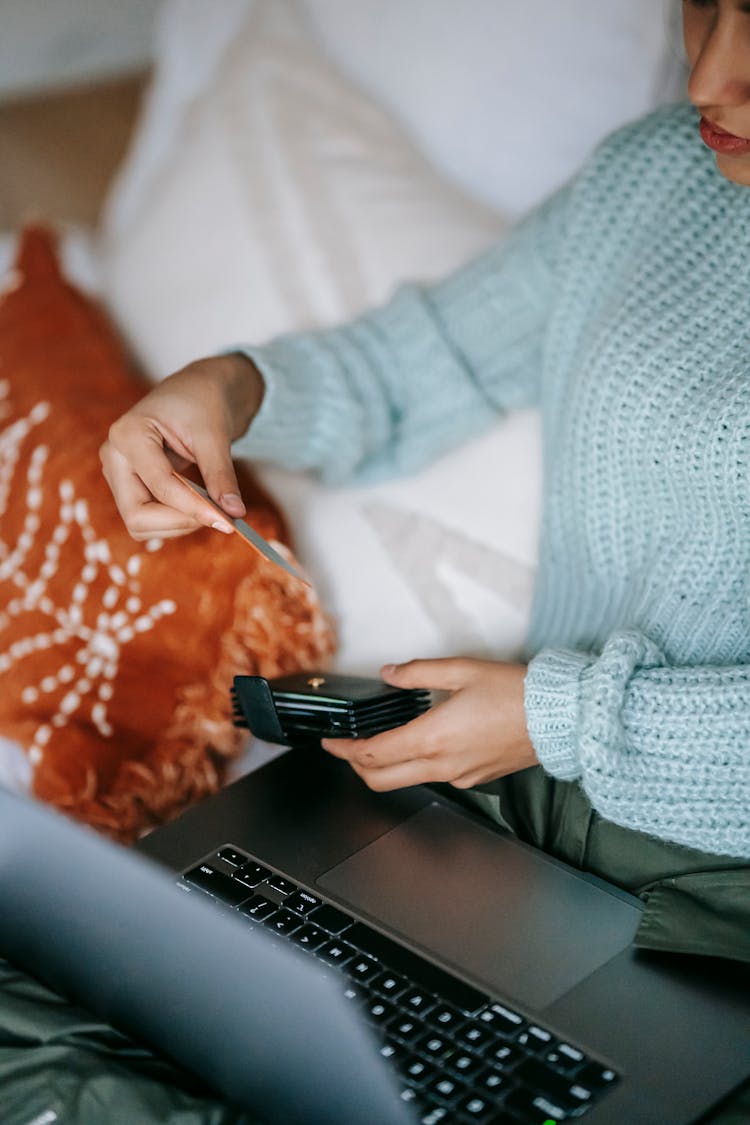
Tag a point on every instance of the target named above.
point(721, 141)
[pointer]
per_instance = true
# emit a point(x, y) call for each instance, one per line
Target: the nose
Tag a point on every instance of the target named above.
point(720, 74)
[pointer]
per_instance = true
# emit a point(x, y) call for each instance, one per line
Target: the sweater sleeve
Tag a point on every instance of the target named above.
point(395, 388)
point(657, 748)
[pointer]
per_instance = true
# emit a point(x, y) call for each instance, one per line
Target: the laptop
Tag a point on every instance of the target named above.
point(320, 953)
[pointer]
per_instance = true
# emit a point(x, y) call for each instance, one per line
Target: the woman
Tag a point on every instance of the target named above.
point(621, 308)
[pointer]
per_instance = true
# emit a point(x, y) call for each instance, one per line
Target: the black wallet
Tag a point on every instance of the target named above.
point(303, 708)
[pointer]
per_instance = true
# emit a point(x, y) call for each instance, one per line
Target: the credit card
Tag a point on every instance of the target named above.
point(248, 534)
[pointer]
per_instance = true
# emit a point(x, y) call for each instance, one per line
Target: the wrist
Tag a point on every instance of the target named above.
point(244, 388)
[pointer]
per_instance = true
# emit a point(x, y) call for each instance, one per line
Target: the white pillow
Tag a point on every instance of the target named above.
point(506, 97)
point(288, 199)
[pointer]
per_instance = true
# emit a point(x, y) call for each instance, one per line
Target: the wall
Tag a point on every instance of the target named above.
point(45, 43)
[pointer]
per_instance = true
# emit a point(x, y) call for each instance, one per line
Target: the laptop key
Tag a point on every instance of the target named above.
point(534, 1108)
point(378, 1011)
point(417, 1069)
point(221, 886)
point(309, 937)
point(446, 1017)
point(435, 1046)
point(435, 1116)
point(231, 855)
point(362, 968)
point(565, 1057)
point(536, 1039)
point(449, 988)
point(475, 1106)
point(336, 953)
point(282, 922)
point(596, 1076)
point(331, 919)
point(389, 984)
point(503, 1054)
point(464, 1064)
point(502, 1019)
point(492, 1081)
point(568, 1093)
point(281, 884)
point(416, 1000)
point(394, 1050)
point(407, 1028)
point(476, 1035)
point(447, 1089)
point(251, 874)
point(257, 908)
point(409, 1094)
point(302, 902)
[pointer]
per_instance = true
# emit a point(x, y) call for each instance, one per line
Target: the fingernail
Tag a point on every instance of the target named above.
point(389, 669)
point(223, 527)
point(232, 500)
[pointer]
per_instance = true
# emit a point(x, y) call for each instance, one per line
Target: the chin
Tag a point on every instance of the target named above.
point(738, 171)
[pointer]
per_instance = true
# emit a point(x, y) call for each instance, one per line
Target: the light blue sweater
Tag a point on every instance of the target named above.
point(622, 308)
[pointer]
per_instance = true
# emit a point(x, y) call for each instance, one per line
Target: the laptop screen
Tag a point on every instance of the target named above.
point(254, 1018)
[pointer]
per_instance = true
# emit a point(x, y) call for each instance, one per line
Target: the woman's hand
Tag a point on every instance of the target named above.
point(191, 418)
point(475, 735)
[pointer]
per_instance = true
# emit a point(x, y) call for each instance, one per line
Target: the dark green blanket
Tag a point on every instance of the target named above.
point(56, 1059)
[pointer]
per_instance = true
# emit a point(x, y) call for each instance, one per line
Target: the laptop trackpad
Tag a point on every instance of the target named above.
point(498, 913)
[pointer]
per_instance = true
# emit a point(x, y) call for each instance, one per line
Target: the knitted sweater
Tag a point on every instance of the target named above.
point(622, 308)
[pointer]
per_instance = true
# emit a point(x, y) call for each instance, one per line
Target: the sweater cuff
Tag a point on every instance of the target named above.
point(551, 696)
point(290, 429)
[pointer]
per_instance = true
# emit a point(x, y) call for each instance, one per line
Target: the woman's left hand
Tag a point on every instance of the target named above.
point(475, 735)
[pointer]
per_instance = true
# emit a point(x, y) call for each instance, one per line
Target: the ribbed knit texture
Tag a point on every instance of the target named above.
point(622, 308)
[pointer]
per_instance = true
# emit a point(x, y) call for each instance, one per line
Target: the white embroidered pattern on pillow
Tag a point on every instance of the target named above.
point(87, 675)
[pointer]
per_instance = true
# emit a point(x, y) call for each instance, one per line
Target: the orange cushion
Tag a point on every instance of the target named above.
point(116, 657)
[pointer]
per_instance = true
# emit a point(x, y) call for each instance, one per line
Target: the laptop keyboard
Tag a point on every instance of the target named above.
point(460, 1056)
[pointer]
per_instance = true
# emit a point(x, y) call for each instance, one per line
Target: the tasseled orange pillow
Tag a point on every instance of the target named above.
point(116, 657)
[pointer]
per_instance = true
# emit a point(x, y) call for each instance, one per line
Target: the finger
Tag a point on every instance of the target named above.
point(152, 520)
point(210, 450)
point(418, 771)
point(163, 533)
point(446, 674)
point(143, 516)
point(475, 777)
point(342, 748)
point(149, 464)
point(219, 477)
point(415, 739)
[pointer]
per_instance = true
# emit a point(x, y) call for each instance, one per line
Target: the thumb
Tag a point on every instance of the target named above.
point(446, 674)
point(220, 479)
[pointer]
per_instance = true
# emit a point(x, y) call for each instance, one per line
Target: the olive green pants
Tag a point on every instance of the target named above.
point(695, 903)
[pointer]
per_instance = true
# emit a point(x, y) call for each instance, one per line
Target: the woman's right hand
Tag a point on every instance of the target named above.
point(192, 417)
